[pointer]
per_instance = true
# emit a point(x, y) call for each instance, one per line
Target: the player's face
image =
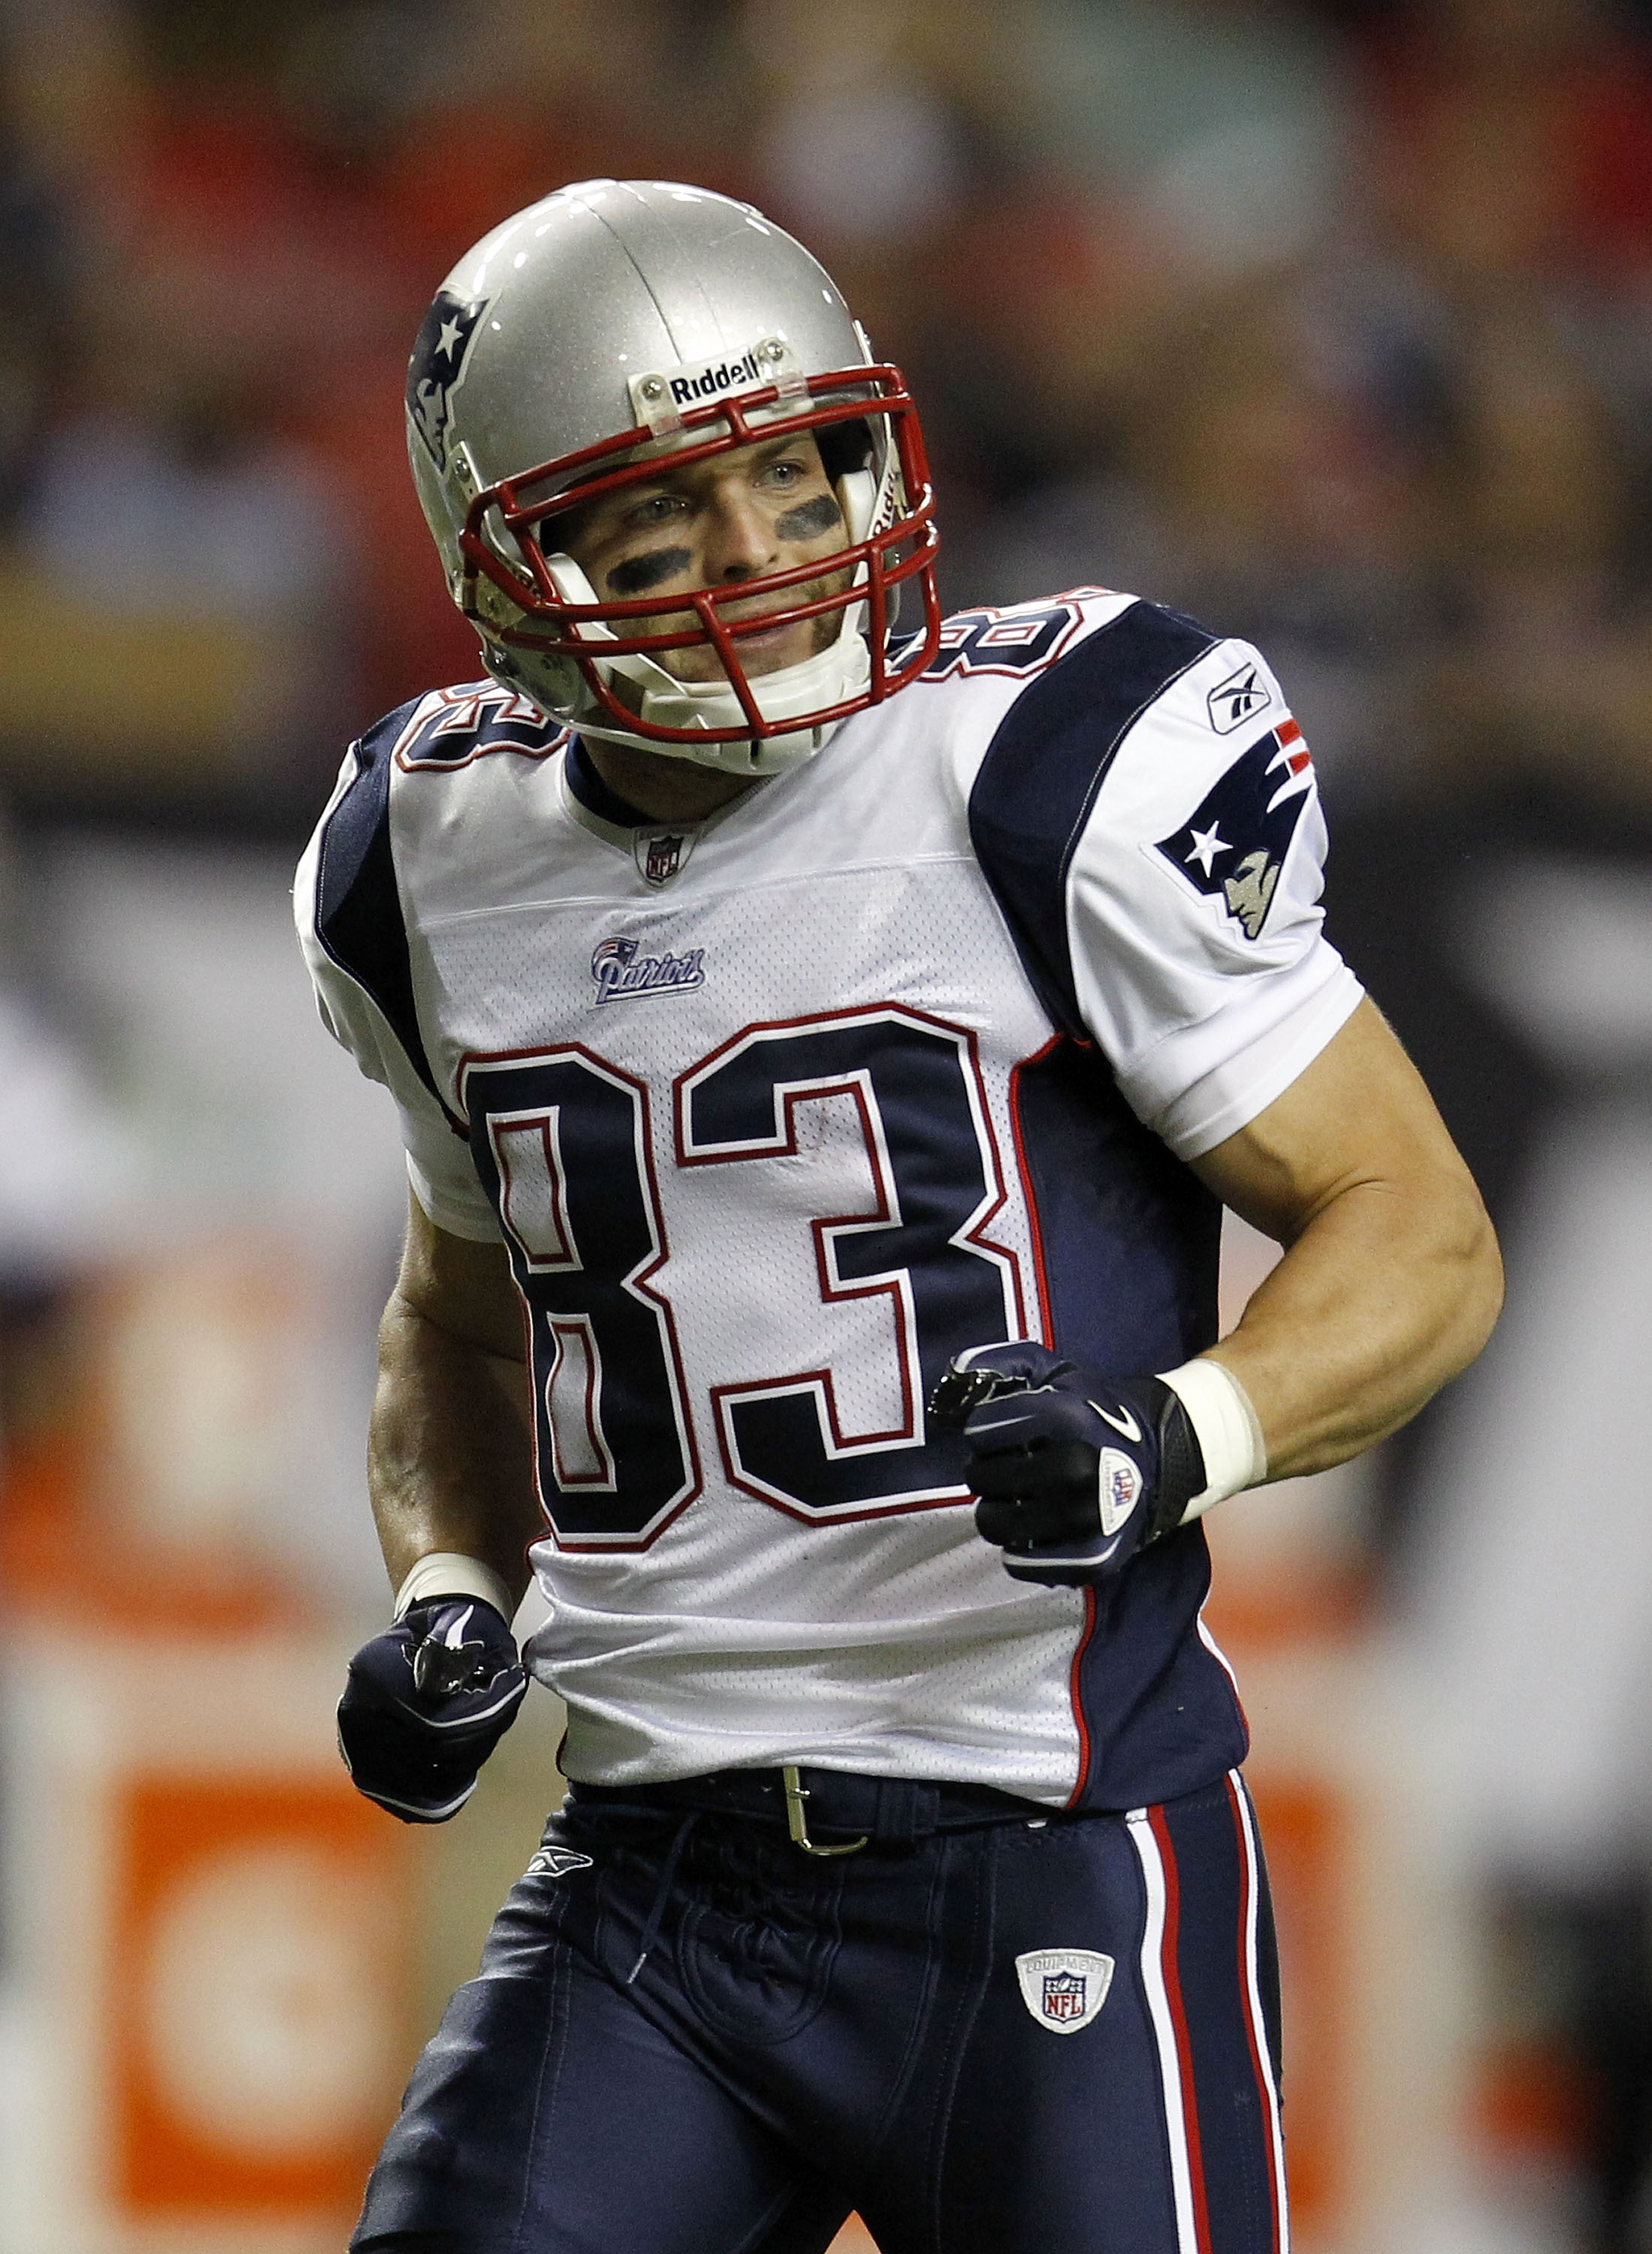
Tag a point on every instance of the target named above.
point(760, 509)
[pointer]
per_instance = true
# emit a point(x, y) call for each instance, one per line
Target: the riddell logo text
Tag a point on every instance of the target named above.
point(685, 389)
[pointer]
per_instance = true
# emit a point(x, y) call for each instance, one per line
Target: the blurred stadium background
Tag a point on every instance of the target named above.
point(1332, 323)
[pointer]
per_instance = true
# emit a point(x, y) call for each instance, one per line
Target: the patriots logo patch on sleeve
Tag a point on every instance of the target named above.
point(1233, 847)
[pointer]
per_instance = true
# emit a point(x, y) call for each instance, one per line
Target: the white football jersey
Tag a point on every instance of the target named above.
point(901, 1051)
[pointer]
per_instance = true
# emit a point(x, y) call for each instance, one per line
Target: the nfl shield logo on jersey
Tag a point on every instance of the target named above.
point(1064, 1988)
point(660, 853)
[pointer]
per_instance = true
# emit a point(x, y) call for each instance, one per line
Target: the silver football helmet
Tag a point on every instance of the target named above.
point(615, 323)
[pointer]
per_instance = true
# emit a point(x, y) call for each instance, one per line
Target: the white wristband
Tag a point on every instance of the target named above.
point(1230, 1437)
point(450, 1573)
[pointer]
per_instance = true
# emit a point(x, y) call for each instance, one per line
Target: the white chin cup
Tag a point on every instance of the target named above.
point(831, 676)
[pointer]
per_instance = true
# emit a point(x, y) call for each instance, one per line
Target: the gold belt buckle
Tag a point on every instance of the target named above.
point(797, 1822)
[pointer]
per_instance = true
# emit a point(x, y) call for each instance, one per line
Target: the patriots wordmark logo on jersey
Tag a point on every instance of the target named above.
point(661, 853)
point(619, 971)
point(436, 367)
point(1232, 847)
point(1243, 692)
point(1064, 1988)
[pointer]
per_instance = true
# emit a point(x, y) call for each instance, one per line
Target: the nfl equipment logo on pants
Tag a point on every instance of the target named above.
point(1064, 1988)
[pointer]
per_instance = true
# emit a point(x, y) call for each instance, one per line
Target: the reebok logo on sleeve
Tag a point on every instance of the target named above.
point(1236, 700)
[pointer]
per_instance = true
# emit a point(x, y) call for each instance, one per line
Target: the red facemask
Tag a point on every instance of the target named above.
point(888, 557)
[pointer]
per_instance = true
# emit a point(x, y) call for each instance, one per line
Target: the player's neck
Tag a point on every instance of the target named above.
point(664, 789)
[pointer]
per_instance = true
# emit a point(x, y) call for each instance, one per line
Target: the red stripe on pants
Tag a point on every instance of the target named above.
point(1178, 2021)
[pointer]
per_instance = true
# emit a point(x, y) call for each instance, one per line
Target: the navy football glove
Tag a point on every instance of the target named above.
point(1076, 1473)
point(426, 1704)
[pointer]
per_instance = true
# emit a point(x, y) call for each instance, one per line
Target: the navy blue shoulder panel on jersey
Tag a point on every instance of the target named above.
point(358, 908)
point(1044, 767)
point(1126, 1237)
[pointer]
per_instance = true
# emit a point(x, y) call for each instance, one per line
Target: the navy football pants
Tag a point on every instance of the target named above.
point(805, 2038)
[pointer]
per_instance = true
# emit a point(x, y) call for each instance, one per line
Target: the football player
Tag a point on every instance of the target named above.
point(824, 1037)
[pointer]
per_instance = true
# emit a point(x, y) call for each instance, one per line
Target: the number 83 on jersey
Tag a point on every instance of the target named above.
point(563, 1143)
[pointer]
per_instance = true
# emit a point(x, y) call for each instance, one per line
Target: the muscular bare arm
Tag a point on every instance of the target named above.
point(449, 1464)
point(1390, 1281)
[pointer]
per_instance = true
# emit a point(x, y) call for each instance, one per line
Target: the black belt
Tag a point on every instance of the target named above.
point(827, 1804)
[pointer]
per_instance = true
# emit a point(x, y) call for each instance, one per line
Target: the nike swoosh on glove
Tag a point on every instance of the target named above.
point(1076, 1473)
point(426, 1704)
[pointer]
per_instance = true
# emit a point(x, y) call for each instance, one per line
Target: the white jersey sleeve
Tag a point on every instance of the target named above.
point(1193, 902)
point(1149, 818)
point(337, 904)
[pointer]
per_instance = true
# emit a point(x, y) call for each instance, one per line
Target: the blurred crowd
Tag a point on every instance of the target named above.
point(1331, 324)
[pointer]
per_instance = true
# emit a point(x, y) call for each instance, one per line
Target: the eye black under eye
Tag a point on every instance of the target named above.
point(820, 514)
point(638, 573)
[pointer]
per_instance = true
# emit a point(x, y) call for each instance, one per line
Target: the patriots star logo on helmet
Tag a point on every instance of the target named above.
point(1232, 847)
point(437, 364)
